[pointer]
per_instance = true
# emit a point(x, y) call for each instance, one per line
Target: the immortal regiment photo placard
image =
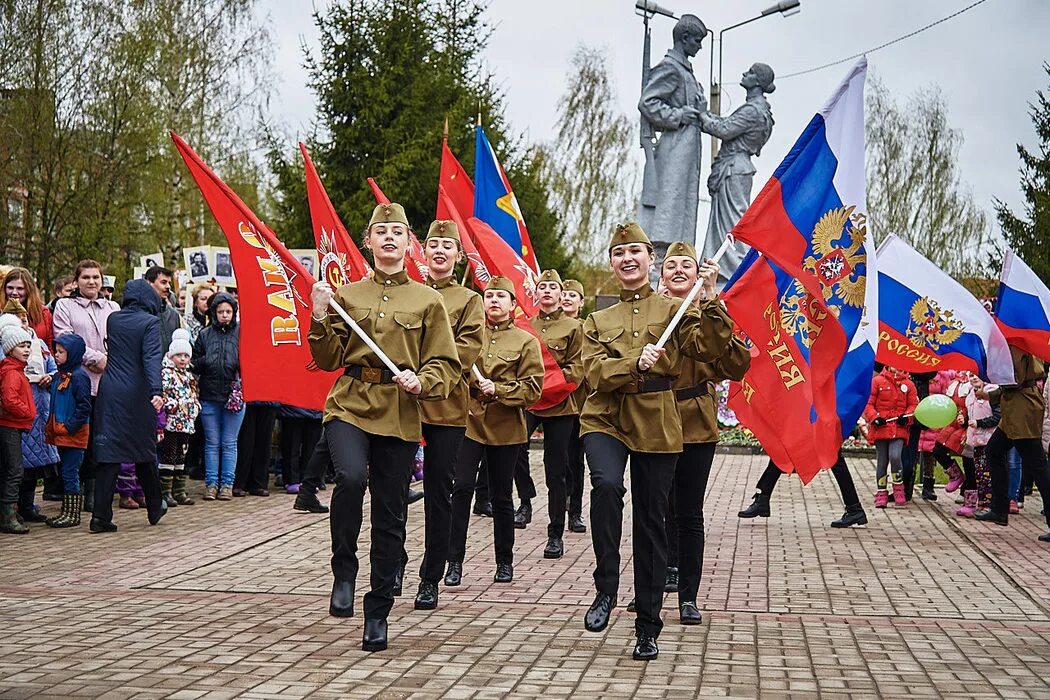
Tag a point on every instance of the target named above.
point(198, 263)
point(222, 267)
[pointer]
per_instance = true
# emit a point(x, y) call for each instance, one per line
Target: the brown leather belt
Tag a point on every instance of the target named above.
point(370, 375)
point(648, 386)
point(691, 392)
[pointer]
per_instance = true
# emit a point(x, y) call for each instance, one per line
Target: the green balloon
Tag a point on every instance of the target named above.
point(936, 411)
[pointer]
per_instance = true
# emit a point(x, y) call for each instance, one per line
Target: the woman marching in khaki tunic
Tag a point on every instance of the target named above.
point(512, 369)
point(371, 417)
point(632, 413)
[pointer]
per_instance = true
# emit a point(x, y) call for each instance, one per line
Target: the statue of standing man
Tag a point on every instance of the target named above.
point(743, 134)
point(673, 102)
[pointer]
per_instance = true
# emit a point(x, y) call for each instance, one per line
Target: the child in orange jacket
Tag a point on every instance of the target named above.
point(889, 415)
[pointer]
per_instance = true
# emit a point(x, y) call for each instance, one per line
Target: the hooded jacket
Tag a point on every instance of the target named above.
point(16, 396)
point(68, 425)
point(892, 396)
point(216, 355)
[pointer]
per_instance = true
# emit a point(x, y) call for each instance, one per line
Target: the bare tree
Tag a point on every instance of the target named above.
point(914, 186)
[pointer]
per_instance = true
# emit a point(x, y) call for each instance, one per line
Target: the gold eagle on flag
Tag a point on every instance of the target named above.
point(931, 326)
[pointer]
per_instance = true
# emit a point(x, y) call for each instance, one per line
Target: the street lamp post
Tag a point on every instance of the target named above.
point(785, 8)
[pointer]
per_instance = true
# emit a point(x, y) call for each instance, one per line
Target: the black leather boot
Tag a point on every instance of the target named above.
point(671, 580)
point(576, 524)
point(554, 548)
point(375, 635)
point(427, 596)
point(454, 574)
point(854, 515)
point(97, 526)
point(927, 489)
point(523, 516)
point(504, 573)
point(341, 603)
point(990, 516)
point(483, 509)
point(308, 503)
point(645, 649)
point(759, 508)
point(597, 617)
point(689, 614)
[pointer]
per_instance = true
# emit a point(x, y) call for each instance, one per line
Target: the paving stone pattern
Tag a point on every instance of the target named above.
point(227, 600)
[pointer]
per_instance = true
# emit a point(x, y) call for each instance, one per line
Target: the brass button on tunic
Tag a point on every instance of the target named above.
point(515, 366)
point(563, 336)
point(411, 326)
point(613, 341)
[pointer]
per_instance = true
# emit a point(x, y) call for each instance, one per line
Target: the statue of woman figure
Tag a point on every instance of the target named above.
point(743, 133)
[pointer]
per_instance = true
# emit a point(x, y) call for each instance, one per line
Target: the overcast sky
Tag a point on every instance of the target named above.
point(987, 62)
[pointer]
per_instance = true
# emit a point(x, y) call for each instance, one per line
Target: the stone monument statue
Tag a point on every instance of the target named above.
point(743, 133)
point(672, 103)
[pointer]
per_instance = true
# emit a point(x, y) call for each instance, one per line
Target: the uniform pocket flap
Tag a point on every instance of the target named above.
point(358, 313)
point(508, 355)
point(408, 320)
point(610, 335)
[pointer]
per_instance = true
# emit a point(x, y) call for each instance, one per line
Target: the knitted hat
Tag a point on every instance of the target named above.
point(444, 229)
point(13, 336)
point(550, 276)
point(573, 286)
point(503, 283)
point(680, 249)
point(10, 320)
point(180, 343)
point(388, 214)
point(14, 307)
point(629, 233)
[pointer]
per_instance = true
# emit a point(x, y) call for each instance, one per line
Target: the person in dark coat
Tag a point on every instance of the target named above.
point(124, 428)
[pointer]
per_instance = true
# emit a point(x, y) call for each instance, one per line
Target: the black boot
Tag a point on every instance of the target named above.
point(87, 487)
point(427, 596)
point(554, 548)
point(990, 516)
point(689, 614)
point(341, 604)
point(26, 509)
point(97, 526)
point(523, 516)
point(927, 489)
point(504, 573)
point(576, 524)
point(645, 649)
point(308, 503)
point(671, 580)
point(375, 635)
point(483, 509)
point(759, 507)
point(597, 617)
point(854, 515)
point(454, 575)
point(414, 495)
point(54, 489)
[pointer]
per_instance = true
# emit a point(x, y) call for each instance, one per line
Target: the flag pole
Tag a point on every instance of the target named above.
point(477, 373)
point(363, 336)
point(692, 295)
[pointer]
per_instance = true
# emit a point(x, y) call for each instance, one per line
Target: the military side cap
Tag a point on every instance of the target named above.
point(503, 283)
point(680, 249)
point(629, 233)
point(573, 286)
point(444, 229)
point(550, 276)
point(13, 306)
point(392, 213)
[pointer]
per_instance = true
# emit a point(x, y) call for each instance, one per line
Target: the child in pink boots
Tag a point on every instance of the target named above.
point(889, 415)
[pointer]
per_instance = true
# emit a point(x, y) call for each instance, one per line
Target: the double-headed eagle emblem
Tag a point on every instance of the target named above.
point(931, 326)
point(839, 266)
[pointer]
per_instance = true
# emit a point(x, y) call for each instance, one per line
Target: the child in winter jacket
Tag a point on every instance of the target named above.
point(68, 427)
point(928, 436)
point(182, 406)
point(889, 413)
point(950, 439)
point(16, 417)
point(982, 417)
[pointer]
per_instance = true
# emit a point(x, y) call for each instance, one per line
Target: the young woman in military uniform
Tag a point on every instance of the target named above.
point(571, 302)
point(511, 367)
point(445, 422)
point(563, 337)
point(1022, 408)
point(632, 413)
point(371, 416)
point(695, 392)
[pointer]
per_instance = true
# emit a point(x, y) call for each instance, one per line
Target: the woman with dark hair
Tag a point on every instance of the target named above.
point(129, 397)
point(19, 286)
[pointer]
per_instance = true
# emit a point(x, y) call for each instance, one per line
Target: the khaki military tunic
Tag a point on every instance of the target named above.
point(408, 322)
point(645, 421)
point(511, 358)
point(563, 336)
point(468, 321)
point(700, 412)
point(1022, 405)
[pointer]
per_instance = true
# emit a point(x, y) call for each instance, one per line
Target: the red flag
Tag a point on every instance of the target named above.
point(555, 387)
point(500, 259)
point(415, 261)
point(273, 289)
point(448, 210)
point(341, 260)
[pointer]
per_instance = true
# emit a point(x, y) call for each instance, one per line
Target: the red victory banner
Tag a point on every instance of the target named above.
point(273, 290)
point(341, 260)
point(456, 197)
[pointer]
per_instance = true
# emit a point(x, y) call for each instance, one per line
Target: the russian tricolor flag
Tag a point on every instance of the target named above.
point(929, 322)
point(1022, 310)
point(495, 203)
point(803, 301)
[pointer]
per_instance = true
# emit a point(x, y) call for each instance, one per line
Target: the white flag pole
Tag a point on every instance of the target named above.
point(666, 335)
point(363, 336)
point(477, 373)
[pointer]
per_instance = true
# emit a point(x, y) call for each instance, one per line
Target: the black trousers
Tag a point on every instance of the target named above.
point(299, 437)
point(910, 458)
point(651, 477)
point(557, 430)
point(10, 464)
point(319, 464)
point(253, 448)
point(1033, 464)
point(384, 465)
point(523, 482)
point(106, 485)
point(439, 466)
point(481, 489)
point(839, 470)
point(685, 517)
point(575, 474)
point(501, 461)
point(87, 467)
